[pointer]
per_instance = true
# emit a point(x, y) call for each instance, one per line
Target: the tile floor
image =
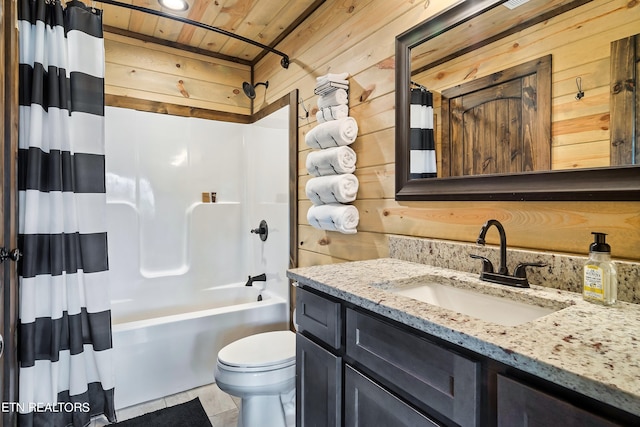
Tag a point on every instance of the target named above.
point(221, 408)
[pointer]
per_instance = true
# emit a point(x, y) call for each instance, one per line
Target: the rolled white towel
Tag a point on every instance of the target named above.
point(336, 97)
point(334, 133)
point(334, 217)
point(334, 112)
point(332, 77)
point(332, 189)
point(331, 161)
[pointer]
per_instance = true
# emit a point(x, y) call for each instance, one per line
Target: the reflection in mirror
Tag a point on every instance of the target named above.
point(499, 123)
point(586, 107)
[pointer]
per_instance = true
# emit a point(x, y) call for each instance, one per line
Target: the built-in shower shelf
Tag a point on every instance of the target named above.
point(220, 203)
point(215, 203)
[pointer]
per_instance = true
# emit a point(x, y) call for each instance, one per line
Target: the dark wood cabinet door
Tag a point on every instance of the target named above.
point(367, 404)
point(318, 385)
point(522, 406)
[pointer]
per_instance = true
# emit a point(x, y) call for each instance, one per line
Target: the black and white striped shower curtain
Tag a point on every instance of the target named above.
point(65, 347)
point(422, 160)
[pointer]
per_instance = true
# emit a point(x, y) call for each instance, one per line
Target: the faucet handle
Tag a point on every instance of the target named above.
point(487, 267)
point(262, 230)
point(521, 271)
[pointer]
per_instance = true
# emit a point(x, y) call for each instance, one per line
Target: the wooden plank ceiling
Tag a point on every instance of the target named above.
point(490, 25)
point(265, 21)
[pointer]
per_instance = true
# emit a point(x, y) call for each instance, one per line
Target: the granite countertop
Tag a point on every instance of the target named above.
point(585, 347)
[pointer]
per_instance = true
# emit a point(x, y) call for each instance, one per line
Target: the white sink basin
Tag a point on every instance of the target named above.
point(502, 311)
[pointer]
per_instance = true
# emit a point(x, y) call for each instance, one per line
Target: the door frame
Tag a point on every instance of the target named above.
point(9, 210)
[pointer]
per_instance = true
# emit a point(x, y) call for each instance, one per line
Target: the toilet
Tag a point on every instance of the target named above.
point(261, 370)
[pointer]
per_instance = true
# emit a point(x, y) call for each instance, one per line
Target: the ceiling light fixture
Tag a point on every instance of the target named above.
point(177, 5)
point(512, 4)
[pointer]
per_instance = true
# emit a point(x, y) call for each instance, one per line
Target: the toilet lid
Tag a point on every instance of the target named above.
point(260, 350)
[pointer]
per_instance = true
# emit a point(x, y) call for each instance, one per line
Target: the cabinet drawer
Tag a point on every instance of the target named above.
point(431, 376)
point(367, 404)
point(521, 405)
point(319, 317)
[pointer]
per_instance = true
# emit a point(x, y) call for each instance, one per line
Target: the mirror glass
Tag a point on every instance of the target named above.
point(525, 99)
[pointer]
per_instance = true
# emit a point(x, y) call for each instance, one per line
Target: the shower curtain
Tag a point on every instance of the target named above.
point(422, 159)
point(66, 373)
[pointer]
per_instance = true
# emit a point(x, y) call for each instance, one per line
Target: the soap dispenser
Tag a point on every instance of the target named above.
point(600, 282)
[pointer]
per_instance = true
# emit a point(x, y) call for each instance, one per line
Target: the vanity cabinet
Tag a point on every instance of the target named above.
point(356, 368)
point(351, 365)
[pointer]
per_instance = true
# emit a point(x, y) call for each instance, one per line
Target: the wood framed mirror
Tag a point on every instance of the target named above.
point(453, 34)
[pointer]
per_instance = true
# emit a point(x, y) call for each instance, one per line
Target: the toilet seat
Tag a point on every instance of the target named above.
point(261, 370)
point(261, 352)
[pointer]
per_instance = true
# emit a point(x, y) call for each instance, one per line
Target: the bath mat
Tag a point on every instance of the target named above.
point(189, 414)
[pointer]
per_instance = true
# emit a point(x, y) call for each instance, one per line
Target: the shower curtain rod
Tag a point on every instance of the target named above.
point(285, 58)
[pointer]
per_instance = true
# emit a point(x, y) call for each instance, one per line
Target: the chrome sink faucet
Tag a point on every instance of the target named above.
point(519, 278)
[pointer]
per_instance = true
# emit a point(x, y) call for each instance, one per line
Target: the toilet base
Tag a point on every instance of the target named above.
point(268, 411)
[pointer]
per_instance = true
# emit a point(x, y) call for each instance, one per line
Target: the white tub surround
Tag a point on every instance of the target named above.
point(178, 265)
point(584, 347)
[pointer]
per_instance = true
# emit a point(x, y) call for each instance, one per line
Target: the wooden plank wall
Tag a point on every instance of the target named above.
point(358, 36)
point(580, 128)
point(152, 72)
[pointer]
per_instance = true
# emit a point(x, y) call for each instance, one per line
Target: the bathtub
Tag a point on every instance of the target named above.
point(162, 351)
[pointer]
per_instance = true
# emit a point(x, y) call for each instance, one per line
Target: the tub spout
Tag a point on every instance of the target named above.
point(259, 278)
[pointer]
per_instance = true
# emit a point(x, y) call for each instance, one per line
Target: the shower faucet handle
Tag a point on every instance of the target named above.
point(262, 230)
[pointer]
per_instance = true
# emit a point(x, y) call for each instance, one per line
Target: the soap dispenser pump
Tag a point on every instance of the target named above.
point(600, 282)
